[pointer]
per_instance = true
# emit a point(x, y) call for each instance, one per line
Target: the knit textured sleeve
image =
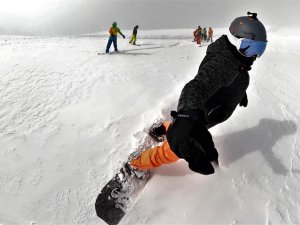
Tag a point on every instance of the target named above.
point(214, 73)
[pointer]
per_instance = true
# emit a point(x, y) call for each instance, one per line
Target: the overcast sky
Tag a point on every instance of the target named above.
point(67, 17)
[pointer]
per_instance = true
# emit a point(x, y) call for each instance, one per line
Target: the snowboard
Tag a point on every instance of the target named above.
point(120, 193)
point(110, 53)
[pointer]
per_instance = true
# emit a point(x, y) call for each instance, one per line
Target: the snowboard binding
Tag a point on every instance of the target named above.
point(157, 132)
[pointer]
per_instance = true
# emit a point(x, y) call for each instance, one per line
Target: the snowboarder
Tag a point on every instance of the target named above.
point(210, 34)
point(114, 30)
point(208, 99)
point(133, 37)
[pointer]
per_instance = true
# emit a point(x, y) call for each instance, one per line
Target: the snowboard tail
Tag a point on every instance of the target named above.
point(120, 193)
point(105, 205)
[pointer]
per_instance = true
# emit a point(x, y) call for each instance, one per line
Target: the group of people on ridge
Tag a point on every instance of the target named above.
point(114, 31)
point(202, 34)
point(199, 35)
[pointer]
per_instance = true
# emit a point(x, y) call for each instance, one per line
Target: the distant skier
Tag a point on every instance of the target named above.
point(204, 34)
point(198, 35)
point(208, 99)
point(134, 34)
point(114, 30)
point(210, 35)
point(195, 34)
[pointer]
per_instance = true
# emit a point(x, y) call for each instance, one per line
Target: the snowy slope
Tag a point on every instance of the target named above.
point(69, 118)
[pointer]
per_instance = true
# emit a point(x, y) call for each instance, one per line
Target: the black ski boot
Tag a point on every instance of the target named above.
point(158, 132)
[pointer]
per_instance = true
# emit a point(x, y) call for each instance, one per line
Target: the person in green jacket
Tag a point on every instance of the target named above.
point(114, 30)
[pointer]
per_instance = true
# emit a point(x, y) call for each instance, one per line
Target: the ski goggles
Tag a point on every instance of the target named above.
point(249, 48)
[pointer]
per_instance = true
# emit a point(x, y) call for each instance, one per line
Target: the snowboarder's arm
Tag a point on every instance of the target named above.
point(212, 76)
point(189, 139)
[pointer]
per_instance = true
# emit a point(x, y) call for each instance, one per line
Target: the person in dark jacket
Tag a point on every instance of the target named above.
point(134, 34)
point(209, 99)
point(204, 34)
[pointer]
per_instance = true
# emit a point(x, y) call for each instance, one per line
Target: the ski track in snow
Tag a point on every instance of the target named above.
point(69, 118)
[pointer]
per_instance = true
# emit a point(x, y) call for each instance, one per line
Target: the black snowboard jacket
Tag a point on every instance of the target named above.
point(134, 32)
point(220, 84)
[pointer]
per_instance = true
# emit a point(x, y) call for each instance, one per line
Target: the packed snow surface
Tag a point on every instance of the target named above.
point(69, 118)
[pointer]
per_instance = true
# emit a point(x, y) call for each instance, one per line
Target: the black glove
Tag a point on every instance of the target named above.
point(244, 101)
point(189, 139)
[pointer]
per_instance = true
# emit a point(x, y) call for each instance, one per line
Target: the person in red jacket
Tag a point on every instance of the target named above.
point(198, 35)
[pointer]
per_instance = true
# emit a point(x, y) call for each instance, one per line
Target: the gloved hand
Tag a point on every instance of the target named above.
point(244, 101)
point(189, 139)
